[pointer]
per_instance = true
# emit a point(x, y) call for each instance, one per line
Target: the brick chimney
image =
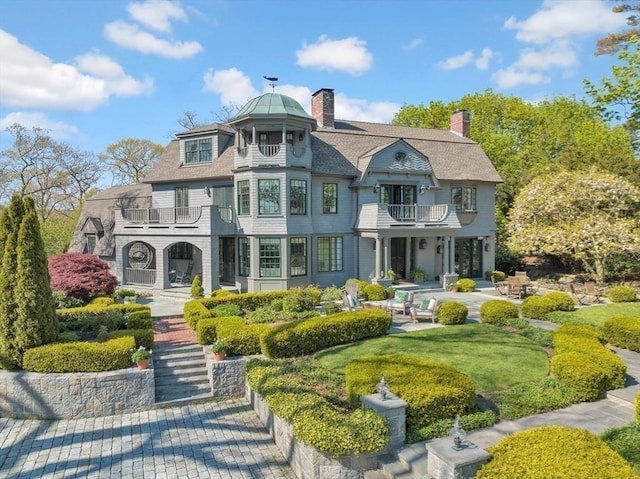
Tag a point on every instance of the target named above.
point(460, 123)
point(322, 107)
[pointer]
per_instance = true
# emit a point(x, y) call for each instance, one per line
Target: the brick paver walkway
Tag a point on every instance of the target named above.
point(172, 332)
point(214, 440)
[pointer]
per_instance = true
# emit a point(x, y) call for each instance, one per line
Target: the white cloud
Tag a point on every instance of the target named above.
point(511, 77)
point(458, 61)
point(364, 110)
point(157, 14)
point(130, 36)
point(558, 54)
point(233, 86)
point(413, 44)
point(482, 63)
point(349, 55)
point(57, 130)
point(558, 19)
point(30, 79)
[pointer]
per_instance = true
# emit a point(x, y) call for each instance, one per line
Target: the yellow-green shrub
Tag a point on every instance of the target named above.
point(579, 372)
point(194, 311)
point(637, 403)
point(452, 312)
point(101, 301)
point(140, 320)
point(432, 390)
point(622, 294)
point(554, 451)
point(536, 307)
point(561, 301)
point(623, 331)
point(466, 285)
point(498, 311)
point(142, 337)
point(311, 335)
point(79, 356)
point(373, 291)
point(244, 339)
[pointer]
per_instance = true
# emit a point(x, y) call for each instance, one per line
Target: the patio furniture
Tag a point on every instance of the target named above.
point(402, 301)
point(592, 291)
point(577, 296)
point(498, 285)
point(351, 303)
point(184, 276)
point(517, 286)
point(428, 309)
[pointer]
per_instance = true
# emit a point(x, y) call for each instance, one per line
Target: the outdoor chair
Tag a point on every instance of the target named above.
point(498, 285)
point(577, 296)
point(592, 291)
point(428, 309)
point(351, 302)
point(184, 276)
point(402, 301)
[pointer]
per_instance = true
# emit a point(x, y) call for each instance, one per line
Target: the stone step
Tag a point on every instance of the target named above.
point(182, 393)
point(180, 374)
point(180, 380)
point(184, 401)
point(377, 474)
point(190, 370)
point(414, 458)
point(180, 363)
point(178, 352)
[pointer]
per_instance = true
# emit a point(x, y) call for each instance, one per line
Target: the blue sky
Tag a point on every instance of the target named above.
point(93, 72)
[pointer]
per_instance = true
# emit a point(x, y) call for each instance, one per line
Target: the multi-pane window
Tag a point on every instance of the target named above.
point(298, 256)
point(181, 200)
point(298, 197)
point(329, 197)
point(197, 151)
point(181, 251)
point(244, 257)
point(91, 243)
point(398, 194)
point(330, 253)
point(268, 197)
point(269, 257)
point(243, 197)
point(464, 197)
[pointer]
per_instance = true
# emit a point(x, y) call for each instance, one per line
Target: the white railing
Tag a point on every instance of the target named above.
point(145, 277)
point(429, 213)
point(189, 214)
point(227, 214)
point(269, 150)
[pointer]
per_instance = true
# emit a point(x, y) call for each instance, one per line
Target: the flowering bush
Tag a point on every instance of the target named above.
point(220, 346)
point(140, 354)
point(82, 276)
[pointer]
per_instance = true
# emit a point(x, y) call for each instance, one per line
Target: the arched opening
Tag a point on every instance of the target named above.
point(184, 263)
point(140, 264)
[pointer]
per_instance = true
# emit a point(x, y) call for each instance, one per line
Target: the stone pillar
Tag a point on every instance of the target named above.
point(444, 462)
point(227, 377)
point(393, 409)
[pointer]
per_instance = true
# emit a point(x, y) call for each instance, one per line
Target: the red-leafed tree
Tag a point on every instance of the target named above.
point(81, 275)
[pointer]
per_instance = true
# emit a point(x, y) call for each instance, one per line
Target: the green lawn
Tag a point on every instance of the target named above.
point(595, 315)
point(495, 359)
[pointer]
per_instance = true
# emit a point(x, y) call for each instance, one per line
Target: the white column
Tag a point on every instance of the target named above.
point(387, 256)
point(407, 258)
point(445, 255)
point(452, 259)
point(377, 253)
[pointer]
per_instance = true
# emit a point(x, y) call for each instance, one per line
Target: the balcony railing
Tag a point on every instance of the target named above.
point(427, 213)
point(184, 215)
point(269, 150)
point(146, 277)
point(227, 214)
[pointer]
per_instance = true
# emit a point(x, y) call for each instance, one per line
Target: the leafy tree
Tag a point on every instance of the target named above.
point(58, 231)
point(614, 42)
point(81, 275)
point(131, 159)
point(587, 216)
point(36, 321)
point(11, 220)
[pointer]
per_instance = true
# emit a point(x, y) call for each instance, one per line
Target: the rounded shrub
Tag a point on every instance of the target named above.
point(300, 300)
point(431, 389)
point(80, 275)
point(452, 312)
point(561, 301)
point(498, 312)
point(578, 372)
point(623, 331)
point(536, 307)
point(373, 291)
point(466, 285)
point(554, 451)
point(622, 294)
point(496, 275)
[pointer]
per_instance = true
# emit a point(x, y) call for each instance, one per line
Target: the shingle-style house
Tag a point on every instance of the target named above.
point(277, 198)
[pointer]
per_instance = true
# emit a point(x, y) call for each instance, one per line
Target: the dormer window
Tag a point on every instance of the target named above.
point(197, 151)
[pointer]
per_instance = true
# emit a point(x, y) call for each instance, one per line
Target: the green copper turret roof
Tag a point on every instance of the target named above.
point(272, 104)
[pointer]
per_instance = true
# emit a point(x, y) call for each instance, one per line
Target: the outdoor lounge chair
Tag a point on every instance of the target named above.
point(402, 301)
point(428, 309)
point(498, 285)
point(577, 296)
point(184, 276)
point(351, 302)
point(592, 291)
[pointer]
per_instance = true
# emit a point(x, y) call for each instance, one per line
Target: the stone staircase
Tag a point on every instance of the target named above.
point(409, 462)
point(180, 375)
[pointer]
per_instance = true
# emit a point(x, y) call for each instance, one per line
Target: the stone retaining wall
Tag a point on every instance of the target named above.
point(75, 395)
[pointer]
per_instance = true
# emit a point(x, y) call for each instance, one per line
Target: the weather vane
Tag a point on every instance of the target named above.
point(273, 81)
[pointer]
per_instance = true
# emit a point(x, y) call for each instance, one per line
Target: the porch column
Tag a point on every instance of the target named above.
point(211, 281)
point(377, 254)
point(162, 270)
point(445, 255)
point(407, 258)
point(452, 258)
point(253, 135)
point(387, 256)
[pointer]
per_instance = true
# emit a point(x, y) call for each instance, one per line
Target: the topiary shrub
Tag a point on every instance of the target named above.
point(554, 451)
point(197, 291)
point(452, 312)
point(101, 301)
point(243, 339)
point(561, 301)
point(300, 300)
point(311, 335)
point(466, 285)
point(81, 275)
point(142, 337)
point(577, 371)
point(206, 331)
point(140, 320)
point(498, 312)
point(622, 294)
point(374, 291)
point(432, 390)
point(496, 275)
point(194, 311)
point(536, 307)
point(623, 331)
point(80, 356)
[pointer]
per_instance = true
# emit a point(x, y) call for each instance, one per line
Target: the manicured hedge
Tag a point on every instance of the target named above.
point(579, 372)
point(623, 331)
point(536, 307)
point(79, 356)
point(432, 390)
point(589, 341)
point(466, 285)
point(194, 311)
point(452, 312)
point(243, 338)
point(637, 403)
point(561, 301)
point(143, 337)
point(554, 452)
point(311, 335)
point(622, 294)
point(289, 390)
point(373, 291)
point(140, 320)
point(498, 312)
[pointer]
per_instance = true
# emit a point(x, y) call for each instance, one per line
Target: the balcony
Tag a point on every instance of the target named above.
point(281, 154)
point(379, 216)
point(162, 215)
